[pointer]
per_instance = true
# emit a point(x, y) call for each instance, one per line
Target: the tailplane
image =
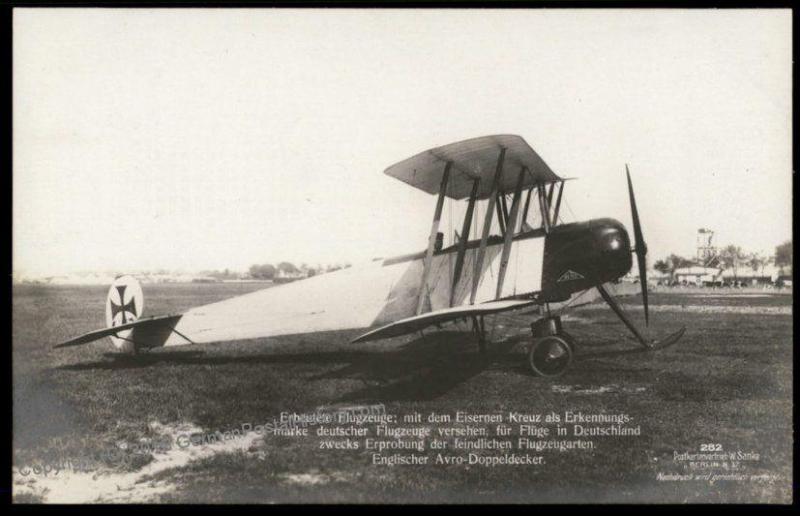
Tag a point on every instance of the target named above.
point(124, 325)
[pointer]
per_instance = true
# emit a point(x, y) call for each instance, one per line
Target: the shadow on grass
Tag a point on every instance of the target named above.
point(427, 367)
point(422, 369)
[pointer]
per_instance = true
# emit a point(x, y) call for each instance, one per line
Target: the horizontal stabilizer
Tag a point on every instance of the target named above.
point(149, 325)
point(416, 323)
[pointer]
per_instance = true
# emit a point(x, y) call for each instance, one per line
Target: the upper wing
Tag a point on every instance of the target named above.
point(474, 159)
point(412, 324)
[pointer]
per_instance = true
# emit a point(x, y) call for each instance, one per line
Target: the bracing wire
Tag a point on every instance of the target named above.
point(574, 218)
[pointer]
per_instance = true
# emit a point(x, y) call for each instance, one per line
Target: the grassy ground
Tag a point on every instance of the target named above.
point(728, 381)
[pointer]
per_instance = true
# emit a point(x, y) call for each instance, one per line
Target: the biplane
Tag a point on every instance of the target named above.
point(523, 256)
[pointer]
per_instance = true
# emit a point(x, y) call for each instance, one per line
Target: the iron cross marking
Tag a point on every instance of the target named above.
point(123, 307)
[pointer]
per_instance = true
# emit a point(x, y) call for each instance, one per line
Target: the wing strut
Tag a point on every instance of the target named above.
point(487, 226)
point(543, 209)
point(527, 205)
point(504, 204)
point(462, 243)
point(437, 215)
point(550, 192)
point(501, 217)
point(511, 227)
point(558, 203)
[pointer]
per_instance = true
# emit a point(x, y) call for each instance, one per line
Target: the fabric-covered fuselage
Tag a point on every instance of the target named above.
point(544, 267)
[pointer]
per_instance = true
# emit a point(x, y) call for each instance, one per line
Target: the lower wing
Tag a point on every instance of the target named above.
point(418, 322)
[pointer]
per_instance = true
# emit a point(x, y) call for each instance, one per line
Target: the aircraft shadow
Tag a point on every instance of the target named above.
point(633, 350)
point(425, 368)
point(422, 369)
point(198, 357)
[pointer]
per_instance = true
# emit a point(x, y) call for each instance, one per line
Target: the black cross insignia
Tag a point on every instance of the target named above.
point(123, 307)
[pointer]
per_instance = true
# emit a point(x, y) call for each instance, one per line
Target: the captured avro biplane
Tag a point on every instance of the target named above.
point(528, 264)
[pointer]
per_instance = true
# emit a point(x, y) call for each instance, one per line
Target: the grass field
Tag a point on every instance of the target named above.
point(728, 381)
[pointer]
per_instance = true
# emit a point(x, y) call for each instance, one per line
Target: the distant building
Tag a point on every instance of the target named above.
point(747, 277)
point(784, 277)
point(657, 278)
point(697, 275)
point(654, 277)
point(79, 278)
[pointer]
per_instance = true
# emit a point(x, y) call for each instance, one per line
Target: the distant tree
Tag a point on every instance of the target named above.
point(678, 262)
point(264, 271)
point(662, 266)
point(783, 254)
point(227, 274)
point(732, 257)
point(757, 262)
point(307, 269)
point(287, 267)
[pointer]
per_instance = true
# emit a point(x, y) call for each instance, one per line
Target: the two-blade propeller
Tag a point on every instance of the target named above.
point(640, 250)
point(640, 247)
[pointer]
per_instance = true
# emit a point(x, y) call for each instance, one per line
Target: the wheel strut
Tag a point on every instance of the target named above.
point(551, 348)
point(480, 331)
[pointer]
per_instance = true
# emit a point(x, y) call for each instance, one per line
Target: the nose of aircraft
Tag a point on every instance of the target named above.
point(612, 248)
point(581, 255)
point(610, 236)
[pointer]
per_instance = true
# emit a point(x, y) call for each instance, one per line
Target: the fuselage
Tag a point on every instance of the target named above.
point(542, 266)
point(584, 254)
point(575, 257)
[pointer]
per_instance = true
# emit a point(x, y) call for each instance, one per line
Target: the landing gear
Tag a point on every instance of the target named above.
point(480, 331)
point(550, 356)
point(551, 348)
point(568, 337)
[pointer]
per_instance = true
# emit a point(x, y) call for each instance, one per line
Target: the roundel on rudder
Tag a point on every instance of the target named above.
point(124, 304)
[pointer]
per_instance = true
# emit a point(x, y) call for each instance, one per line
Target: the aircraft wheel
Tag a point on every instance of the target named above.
point(570, 340)
point(550, 356)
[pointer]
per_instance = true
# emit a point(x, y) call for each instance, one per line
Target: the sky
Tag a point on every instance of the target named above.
point(211, 139)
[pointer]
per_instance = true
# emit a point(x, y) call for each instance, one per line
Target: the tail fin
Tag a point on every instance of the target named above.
point(124, 306)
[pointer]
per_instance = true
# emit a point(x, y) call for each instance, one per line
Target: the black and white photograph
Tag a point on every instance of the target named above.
point(333, 255)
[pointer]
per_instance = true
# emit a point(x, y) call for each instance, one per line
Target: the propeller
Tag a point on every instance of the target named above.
point(640, 247)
